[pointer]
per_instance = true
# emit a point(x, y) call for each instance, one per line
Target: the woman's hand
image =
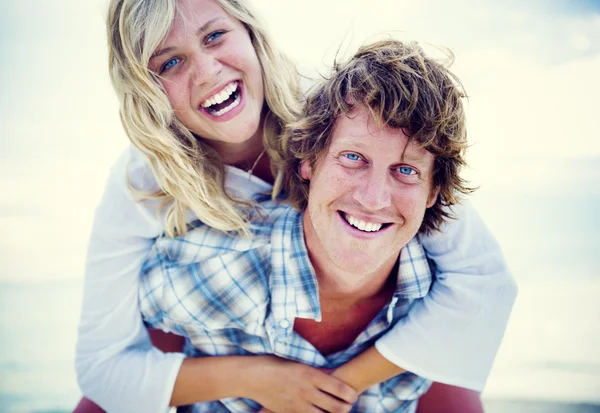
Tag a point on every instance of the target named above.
point(284, 386)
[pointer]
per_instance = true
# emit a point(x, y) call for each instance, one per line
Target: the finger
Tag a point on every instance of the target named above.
point(328, 403)
point(336, 387)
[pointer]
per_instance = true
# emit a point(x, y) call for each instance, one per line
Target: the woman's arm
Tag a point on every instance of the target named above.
point(366, 370)
point(163, 341)
point(371, 368)
point(282, 385)
point(116, 364)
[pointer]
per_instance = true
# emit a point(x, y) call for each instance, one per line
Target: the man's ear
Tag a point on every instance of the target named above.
point(305, 170)
point(433, 196)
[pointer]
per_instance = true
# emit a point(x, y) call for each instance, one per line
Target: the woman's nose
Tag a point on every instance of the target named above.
point(204, 68)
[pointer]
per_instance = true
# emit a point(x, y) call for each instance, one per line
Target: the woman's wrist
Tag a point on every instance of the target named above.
point(366, 370)
point(349, 375)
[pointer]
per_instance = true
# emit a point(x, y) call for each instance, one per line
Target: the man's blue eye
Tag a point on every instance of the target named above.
point(406, 170)
point(352, 157)
point(169, 64)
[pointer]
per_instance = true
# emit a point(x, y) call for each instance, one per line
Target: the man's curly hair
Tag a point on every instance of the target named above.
point(402, 89)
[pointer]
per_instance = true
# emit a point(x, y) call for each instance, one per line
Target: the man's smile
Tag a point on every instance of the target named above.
point(363, 225)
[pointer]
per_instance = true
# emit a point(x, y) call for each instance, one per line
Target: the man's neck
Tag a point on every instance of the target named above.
point(363, 287)
point(349, 300)
point(373, 286)
point(346, 312)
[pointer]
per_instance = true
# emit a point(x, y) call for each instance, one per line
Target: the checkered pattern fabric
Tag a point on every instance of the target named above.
point(240, 296)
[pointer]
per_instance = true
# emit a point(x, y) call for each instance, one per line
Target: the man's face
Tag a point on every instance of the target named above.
point(368, 194)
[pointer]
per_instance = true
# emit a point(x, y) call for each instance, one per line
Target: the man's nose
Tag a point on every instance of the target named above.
point(204, 68)
point(373, 191)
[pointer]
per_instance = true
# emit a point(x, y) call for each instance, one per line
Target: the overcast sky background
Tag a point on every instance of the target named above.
point(530, 69)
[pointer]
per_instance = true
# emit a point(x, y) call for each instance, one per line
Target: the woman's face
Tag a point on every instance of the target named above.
point(211, 74)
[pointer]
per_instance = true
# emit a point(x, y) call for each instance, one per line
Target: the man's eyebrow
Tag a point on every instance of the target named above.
point(360, 144)
point(352, 140)
point(409, 158)
point(201, 29)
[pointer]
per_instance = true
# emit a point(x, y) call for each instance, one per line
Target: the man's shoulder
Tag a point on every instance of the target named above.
point(202, 242)
point(414, 271)
point(208, 279)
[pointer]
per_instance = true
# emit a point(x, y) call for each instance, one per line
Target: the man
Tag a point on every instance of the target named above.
point(371, 164)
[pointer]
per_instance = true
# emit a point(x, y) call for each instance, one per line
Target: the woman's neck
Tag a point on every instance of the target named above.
point(249, 156)
point(241, 155)
point(262, 169)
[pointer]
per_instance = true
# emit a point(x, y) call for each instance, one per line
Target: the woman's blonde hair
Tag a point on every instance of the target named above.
point(189, 172)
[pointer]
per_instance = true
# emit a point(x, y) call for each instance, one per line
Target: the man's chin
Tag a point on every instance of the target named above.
point(350, 285)
point(356, 269)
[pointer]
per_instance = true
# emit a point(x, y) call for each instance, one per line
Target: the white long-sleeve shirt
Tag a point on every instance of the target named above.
point(451, 336)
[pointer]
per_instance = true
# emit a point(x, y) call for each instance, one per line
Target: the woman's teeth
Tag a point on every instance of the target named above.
point(227, 108)
point(224, 101)
point(220, 97)
point(362, 225)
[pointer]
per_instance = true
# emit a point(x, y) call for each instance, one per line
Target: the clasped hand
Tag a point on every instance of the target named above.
point(284, 386)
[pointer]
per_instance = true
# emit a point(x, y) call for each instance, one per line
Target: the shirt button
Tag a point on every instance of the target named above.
point(284, 324)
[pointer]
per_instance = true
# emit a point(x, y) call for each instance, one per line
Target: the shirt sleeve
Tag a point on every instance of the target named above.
point(117, 367)
point(452, 335)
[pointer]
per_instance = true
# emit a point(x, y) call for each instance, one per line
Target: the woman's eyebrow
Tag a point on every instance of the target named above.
point(161, 52)
point(205, 26)
point(202, 29)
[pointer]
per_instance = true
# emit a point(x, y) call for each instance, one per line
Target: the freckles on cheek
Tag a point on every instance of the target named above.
point(409, 206)
point(230, 57)
point(338, 183)
point(239, 59)
point(176, 98)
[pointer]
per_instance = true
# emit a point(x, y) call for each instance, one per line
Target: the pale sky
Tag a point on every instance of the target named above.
point(531, 71)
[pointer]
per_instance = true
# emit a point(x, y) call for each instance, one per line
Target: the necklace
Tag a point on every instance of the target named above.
point(251, 170)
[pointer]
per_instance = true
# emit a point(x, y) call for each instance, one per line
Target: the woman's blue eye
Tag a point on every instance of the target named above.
point(214, 36)
point(352, 156)
point(169, 64)
point(407, 170)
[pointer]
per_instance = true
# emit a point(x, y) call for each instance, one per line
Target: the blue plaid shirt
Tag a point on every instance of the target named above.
point(240, 296)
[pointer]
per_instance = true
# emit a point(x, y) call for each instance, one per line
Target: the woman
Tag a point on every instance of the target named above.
point(201, 90)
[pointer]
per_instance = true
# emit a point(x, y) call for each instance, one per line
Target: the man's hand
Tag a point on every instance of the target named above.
point(284, 386)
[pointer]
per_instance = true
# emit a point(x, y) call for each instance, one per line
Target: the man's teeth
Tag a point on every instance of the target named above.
point(362, 225)
point(220, 97)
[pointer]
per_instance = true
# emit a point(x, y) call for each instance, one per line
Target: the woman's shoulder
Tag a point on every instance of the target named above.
point(239, 184)
point(132, 170)
point(121, 209)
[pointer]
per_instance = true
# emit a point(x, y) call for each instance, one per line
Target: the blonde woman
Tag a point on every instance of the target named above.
point(204, 97)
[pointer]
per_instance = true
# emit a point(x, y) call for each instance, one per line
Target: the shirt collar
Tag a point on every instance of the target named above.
point(414, 274)
point(294, 287)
